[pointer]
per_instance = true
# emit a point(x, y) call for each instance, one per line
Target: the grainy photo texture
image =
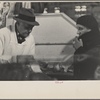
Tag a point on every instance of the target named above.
point(49, 41)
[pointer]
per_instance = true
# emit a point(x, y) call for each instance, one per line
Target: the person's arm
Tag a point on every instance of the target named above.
point(3, 58)
point(32, 48)
point(1, 46)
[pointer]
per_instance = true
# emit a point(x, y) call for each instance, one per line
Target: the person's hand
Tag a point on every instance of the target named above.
point(36, 68)
point(77, 43)
point(97, 73)
point(5, 59)
point(2, 61)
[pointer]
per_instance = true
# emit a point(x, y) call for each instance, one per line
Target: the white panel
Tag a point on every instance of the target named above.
point(54, 28)
point(53, 52)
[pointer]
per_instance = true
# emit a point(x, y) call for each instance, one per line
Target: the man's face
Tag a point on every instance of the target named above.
point(24, 29)
point(82, 29)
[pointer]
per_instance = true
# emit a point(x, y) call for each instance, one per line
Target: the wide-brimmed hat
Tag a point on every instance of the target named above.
point(27, 16)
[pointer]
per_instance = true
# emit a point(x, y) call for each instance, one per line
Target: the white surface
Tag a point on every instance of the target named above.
point(54, 28)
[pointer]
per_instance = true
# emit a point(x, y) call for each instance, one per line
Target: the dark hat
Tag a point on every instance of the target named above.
point(88, 21)
point(27, 16)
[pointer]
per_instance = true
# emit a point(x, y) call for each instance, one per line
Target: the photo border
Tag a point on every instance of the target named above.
point(69, 90)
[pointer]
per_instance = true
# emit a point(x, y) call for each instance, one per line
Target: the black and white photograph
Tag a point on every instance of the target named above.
point(50, 49)
point(49, 41)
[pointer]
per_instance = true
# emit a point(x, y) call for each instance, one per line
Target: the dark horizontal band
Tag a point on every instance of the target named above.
point(26, 18)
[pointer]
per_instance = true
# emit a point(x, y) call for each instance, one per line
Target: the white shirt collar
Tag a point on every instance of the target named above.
point(14, 38)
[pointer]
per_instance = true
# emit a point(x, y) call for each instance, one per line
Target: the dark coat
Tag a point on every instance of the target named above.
point(86, 58)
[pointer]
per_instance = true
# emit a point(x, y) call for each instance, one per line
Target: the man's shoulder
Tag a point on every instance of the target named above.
point(4, 28)
point(30, 38)
point(5, 31)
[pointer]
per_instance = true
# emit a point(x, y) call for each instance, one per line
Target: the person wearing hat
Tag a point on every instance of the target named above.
point(88, 49)
point(18, 39)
